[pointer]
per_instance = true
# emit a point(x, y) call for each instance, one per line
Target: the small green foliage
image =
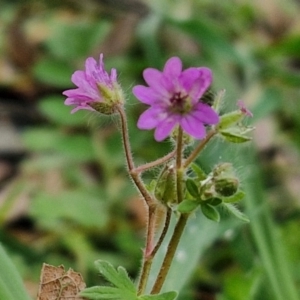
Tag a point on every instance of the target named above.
point(52, 108)
point(53, 72)
point(118, 277)
point(165, 296)
point(198, 171)
point(122, 289)
point(233, 136)
point(235, 212)
point(11, 285)
point(192, 188)
point(106, 292)
point(239, 195)
point(214, 201)
point(210, 212)
point(187, 206)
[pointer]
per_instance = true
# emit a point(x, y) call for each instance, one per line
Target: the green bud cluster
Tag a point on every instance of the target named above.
point(218, 188)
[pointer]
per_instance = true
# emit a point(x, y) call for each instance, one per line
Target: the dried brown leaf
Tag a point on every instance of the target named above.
point(57, 284)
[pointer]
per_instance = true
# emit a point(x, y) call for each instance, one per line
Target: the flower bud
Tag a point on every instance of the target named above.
point(223, 168)
point(165, 189)
point(226, 186)
point(96, 89)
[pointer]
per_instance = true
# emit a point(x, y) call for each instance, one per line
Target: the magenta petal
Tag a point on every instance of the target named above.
point(201, 84)
point(188, 77)
point(80, 93)
point(86, 107)
point(90, 66)
point(154, 79)
point(78, 78)
point(173, 67)
point(75, 93)
point(145, 94)
point(205, 114)
point(193, 127)
point(72, 101)
point(164, 128)
point(150, 118)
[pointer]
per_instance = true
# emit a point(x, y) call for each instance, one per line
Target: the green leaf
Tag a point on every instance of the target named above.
point(234, 211)
point(124, 288)
point(76, 147)
point(234, 137)
point(214, 201)
point(53, 107)
point(211, 37)
point(39, 139)
point(198, 171)
point(210, 212)
point(192, 188)
point(77, 206)
point(70, 41)
point(106, 292)
point(165, 296)
point(53, 72)
point(187, 206)
point(118, 277)
point(239, 195)
point(11, 285)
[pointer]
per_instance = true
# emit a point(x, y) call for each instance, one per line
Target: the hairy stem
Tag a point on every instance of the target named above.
point(155, 163)
point(129, 160)
point(179, 169)
point(148, 259)
point(151, 204)
point(165, 267)
point(199, 148)
point(164, 231)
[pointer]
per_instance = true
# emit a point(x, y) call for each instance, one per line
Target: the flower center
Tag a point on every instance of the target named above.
point(180, 104)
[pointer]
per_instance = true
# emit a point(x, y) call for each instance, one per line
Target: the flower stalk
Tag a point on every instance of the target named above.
point(148, 259)
point(172, 247)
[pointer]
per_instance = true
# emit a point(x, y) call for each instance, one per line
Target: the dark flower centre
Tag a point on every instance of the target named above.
point(180, 103)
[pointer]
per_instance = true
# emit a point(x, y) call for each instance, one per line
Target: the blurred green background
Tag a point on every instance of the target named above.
point(65, 196)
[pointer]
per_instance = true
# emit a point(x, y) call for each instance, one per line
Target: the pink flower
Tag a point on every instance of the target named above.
point(174, 97)
point(96, 89)
point(244, 109)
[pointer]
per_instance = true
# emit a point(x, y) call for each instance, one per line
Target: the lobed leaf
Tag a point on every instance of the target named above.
point(239, 195)
point(234, 211)
point(106, 292)
point(118, 277)
point(165, 296)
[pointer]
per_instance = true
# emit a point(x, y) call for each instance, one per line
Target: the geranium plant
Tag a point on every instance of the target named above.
point(178, 110)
